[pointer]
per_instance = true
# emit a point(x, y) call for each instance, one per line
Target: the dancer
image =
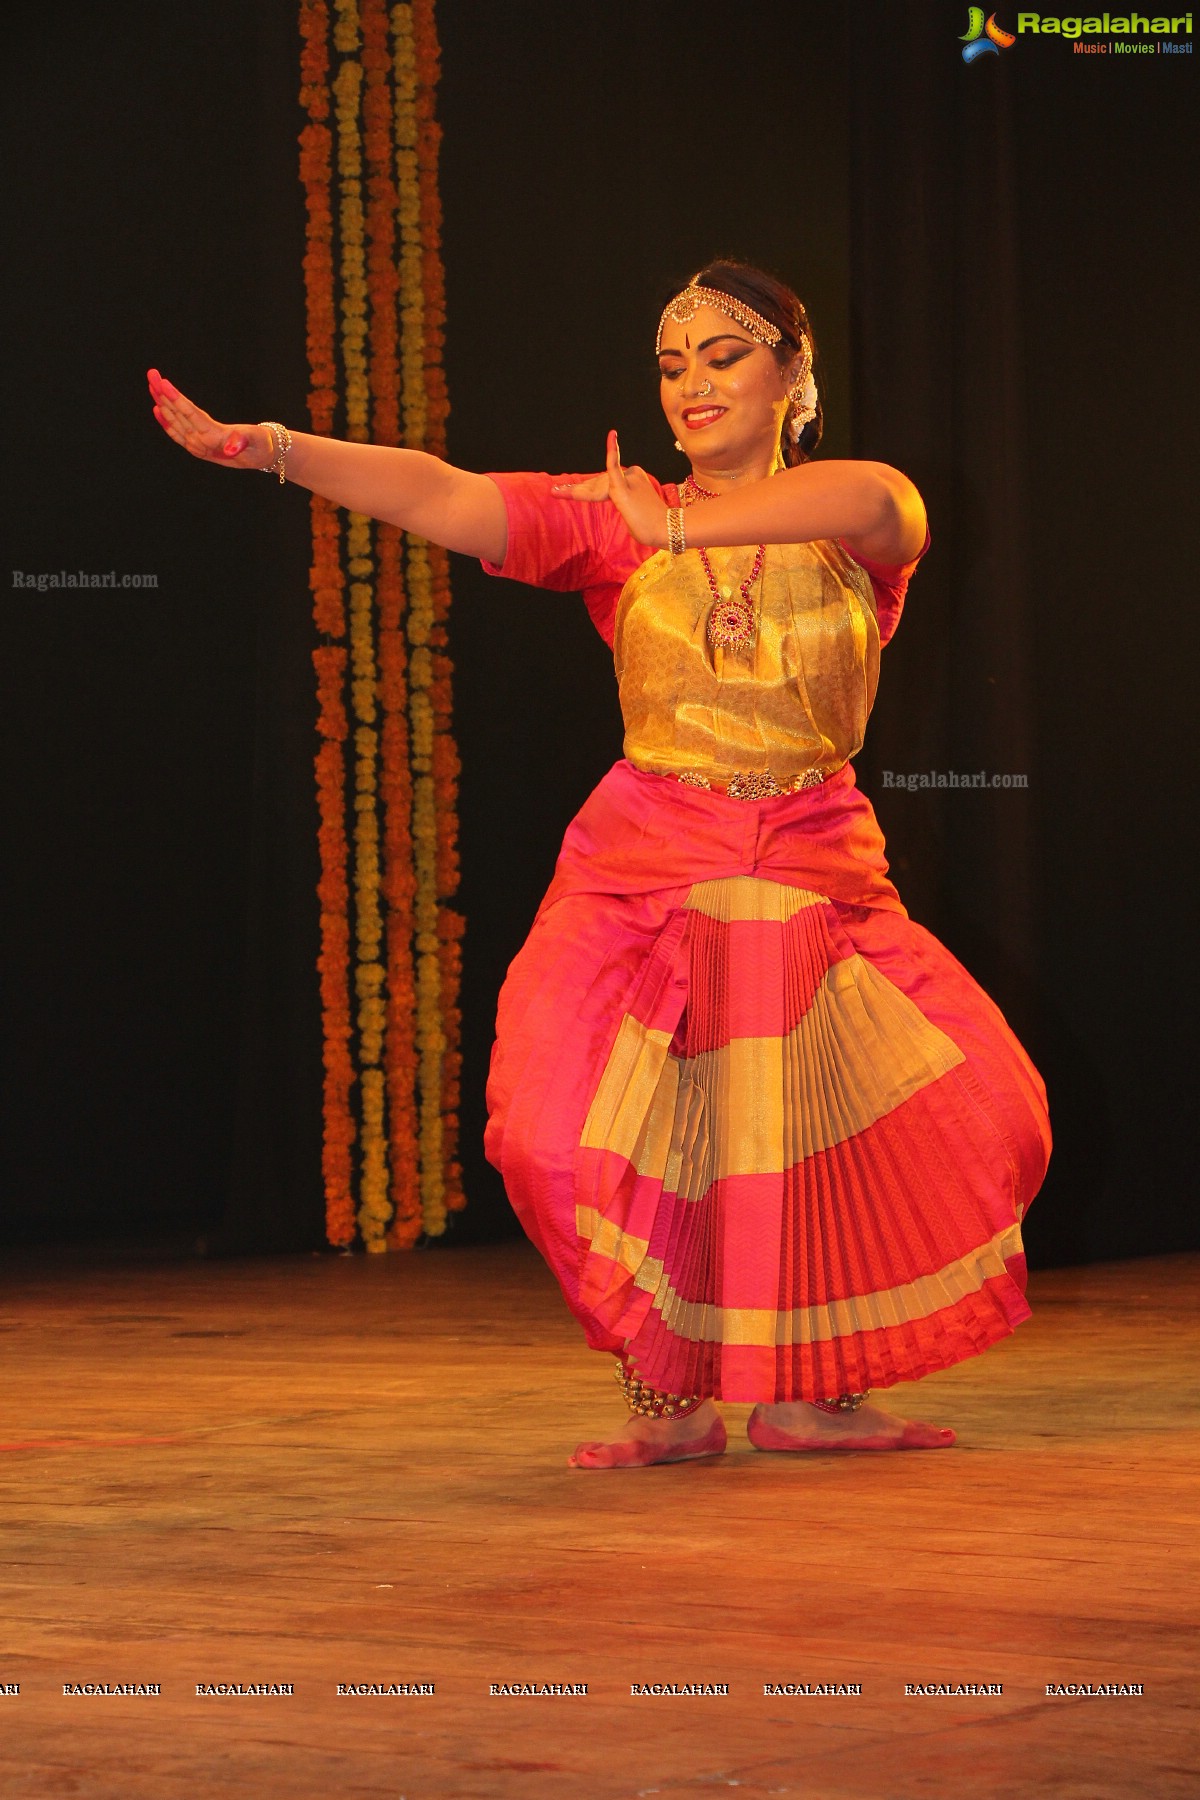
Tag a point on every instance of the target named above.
point(773, 1140)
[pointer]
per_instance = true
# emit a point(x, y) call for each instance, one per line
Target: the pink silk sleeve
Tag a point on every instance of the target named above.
point(890, 582)
point(571, 546)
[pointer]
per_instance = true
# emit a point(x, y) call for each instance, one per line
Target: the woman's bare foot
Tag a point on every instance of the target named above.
point(645, 1441)
point(795, 1425)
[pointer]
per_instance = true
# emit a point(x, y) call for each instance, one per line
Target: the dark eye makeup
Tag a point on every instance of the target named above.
point(714, 362)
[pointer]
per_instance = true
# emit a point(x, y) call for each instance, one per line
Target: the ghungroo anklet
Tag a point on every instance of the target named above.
point(842, 1403)
point(641, 1398)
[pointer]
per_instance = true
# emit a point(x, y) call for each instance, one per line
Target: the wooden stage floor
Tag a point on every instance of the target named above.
point(325, 1470)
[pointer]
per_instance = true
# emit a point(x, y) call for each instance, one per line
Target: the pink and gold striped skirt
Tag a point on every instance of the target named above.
point(773, 1140)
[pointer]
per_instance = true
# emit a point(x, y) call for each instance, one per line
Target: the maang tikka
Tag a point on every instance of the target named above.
point(684, 307)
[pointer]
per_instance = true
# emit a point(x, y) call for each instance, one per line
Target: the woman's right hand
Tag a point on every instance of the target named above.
point(234, 446)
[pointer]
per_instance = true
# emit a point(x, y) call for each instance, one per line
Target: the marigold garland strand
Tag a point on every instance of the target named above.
point(435, 760)
point(374, 286)
point(327, 585)
point(400, 1064)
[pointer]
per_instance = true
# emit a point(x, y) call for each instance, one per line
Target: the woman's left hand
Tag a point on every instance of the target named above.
point(632, 493)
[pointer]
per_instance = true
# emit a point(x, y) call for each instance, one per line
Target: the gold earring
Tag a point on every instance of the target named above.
point(679, 447)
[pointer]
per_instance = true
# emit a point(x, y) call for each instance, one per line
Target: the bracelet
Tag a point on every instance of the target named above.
point(676, 539)
point(281, 443)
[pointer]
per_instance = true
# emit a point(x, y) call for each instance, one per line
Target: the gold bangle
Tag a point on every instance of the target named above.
point(281, 443)
point(676, 537)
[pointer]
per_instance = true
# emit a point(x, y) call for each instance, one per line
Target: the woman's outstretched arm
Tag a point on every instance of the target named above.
point(452, 507)
point(872, 507)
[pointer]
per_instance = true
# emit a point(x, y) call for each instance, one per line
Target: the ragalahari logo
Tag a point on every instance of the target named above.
point(980, 39)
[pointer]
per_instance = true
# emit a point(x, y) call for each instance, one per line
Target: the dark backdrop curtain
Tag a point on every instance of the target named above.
point(163, 1053)
point(1019, 316)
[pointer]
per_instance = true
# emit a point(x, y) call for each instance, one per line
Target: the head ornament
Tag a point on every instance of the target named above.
point(684, 307)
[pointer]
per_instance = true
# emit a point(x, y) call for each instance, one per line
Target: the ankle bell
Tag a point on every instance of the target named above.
point(650, 1403)
point(842, 1402)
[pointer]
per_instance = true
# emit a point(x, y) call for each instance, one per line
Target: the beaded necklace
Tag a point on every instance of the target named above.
point(731, 623)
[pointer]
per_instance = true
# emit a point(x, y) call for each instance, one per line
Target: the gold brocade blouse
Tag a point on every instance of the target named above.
point(795, 700)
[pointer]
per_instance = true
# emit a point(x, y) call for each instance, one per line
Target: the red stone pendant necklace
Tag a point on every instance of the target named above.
point(731, 623)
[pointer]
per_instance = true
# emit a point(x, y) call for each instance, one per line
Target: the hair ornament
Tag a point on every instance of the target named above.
point(684, 307)
point(802, 395)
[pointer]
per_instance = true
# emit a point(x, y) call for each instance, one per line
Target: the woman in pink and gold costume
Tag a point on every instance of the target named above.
point(772, 1139)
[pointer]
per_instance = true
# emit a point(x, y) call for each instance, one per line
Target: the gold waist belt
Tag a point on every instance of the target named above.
point(755, 784)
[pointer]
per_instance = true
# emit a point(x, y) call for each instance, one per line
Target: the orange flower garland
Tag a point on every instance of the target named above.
point(446, 765)
point(327, 585)
point(375, 296)
point(400, 1064)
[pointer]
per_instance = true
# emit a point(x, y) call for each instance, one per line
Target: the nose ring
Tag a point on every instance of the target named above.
point(706, 389)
